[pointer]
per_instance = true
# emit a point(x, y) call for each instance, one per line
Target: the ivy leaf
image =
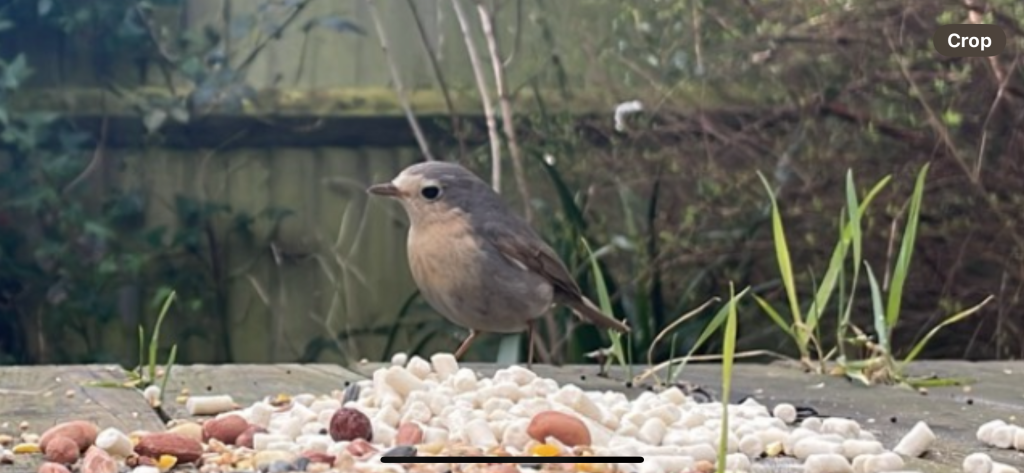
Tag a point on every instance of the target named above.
point(952, 118)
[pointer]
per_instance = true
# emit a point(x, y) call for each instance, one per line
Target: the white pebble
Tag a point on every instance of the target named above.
point(304, 399)
point(303, 413)
point(209, 405)
point(915, 442)
point(785, 412)
point(574, 398)
point(315, 443)
point(145, 469)
point(478, 434)
point(384, 434)
point(291, 427)
point(418, 367)
point(839, 426)
point(806, 447)
point(402, 381)
point(737, 462)
point(827, 463)
point(1003, 468)
point(321, 405)
point(652, 431)
point(672, 462)
point(886, 461)
point(387, 416)
point(444, 364)
point(115, 442)
point(464, 380)
point(771, 435)
point(1002, 437)
point(260, 414)
point(673, 395)
point(152, 394)
point(811, 423)
point(699, 452)
point(751, 445)
point(261, 441)
point(985, 431)
point(399, 359)
point(853, 448)
point(977, 463)
point(795, 436)
point(692, 419)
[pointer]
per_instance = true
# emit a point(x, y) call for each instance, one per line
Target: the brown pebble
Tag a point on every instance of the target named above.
point(245, 439)
point(154, 445)
point(226, 429)
point(567, 429)
point(350, 424)
point(51, 467)
point(703, 466)
point(98, 460)
point(82, 432)
point(360, 449)
point(503, 468)
point(409, 434)
point(61, 450)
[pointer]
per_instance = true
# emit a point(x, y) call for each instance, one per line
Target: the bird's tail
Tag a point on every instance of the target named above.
point(591, 313)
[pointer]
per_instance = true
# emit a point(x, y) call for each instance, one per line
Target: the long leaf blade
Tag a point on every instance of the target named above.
point(899, 277)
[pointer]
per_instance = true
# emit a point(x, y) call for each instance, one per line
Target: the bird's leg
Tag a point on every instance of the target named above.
point(529, 351)
point(465, 344)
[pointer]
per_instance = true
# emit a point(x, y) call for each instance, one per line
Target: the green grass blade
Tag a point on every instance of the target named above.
point(167, 370)
point(785, 264)
point(728, 353)
point(878, 314)
point(931, 333)
point(710, 329)
point(142, 349)
point(774, 314)
point(154, 340)
point(605, 303)
point(899, 276)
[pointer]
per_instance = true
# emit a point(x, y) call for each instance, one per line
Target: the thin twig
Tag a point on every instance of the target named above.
point(481, 84)
point(486, 24)
point(434, 66)
point(403, 99)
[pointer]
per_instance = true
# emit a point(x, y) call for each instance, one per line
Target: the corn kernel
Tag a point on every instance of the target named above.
point(26, 448)
point(166, 462)
point(545, 450)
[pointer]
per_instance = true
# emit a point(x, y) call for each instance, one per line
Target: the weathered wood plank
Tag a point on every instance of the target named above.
point(40, 396)
point(249, 383)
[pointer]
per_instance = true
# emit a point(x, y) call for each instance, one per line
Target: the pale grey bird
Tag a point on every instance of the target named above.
point(475, 261)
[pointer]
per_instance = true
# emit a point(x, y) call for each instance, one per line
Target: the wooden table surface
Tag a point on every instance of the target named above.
point(45, 395)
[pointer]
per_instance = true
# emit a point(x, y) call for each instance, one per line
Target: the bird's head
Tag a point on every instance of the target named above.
point(434, 189)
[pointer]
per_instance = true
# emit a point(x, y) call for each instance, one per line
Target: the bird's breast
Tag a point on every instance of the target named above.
point(470, 283)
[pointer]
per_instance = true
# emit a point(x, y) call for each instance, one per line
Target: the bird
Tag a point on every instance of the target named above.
point(475, 261)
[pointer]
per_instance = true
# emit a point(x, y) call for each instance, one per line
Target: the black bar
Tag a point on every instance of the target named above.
point(512, 460)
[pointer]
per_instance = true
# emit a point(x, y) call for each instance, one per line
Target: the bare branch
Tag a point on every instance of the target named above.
point(396, 81)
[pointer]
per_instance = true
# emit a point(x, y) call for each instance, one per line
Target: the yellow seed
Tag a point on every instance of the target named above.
point(773, 449)
point(545, 450)
point(166, 462)
point(26, 448)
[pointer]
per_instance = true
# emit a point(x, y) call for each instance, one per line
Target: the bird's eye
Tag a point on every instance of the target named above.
point(430, 192)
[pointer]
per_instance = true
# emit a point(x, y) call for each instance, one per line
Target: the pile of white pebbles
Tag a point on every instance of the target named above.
point(455, 412)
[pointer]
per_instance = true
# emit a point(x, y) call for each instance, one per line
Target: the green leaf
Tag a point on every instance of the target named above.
point(899, 277)
point(728, 354)
point(878, 314)
point(785, 266)
point(931, 333)
point(774, 314)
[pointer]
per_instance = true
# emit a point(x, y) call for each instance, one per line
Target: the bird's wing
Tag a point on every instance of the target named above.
point(526, 250)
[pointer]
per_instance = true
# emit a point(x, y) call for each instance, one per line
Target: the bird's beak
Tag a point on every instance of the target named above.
point(386, 189)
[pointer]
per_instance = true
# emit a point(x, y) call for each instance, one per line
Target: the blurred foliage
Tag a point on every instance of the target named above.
point(674, 200)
